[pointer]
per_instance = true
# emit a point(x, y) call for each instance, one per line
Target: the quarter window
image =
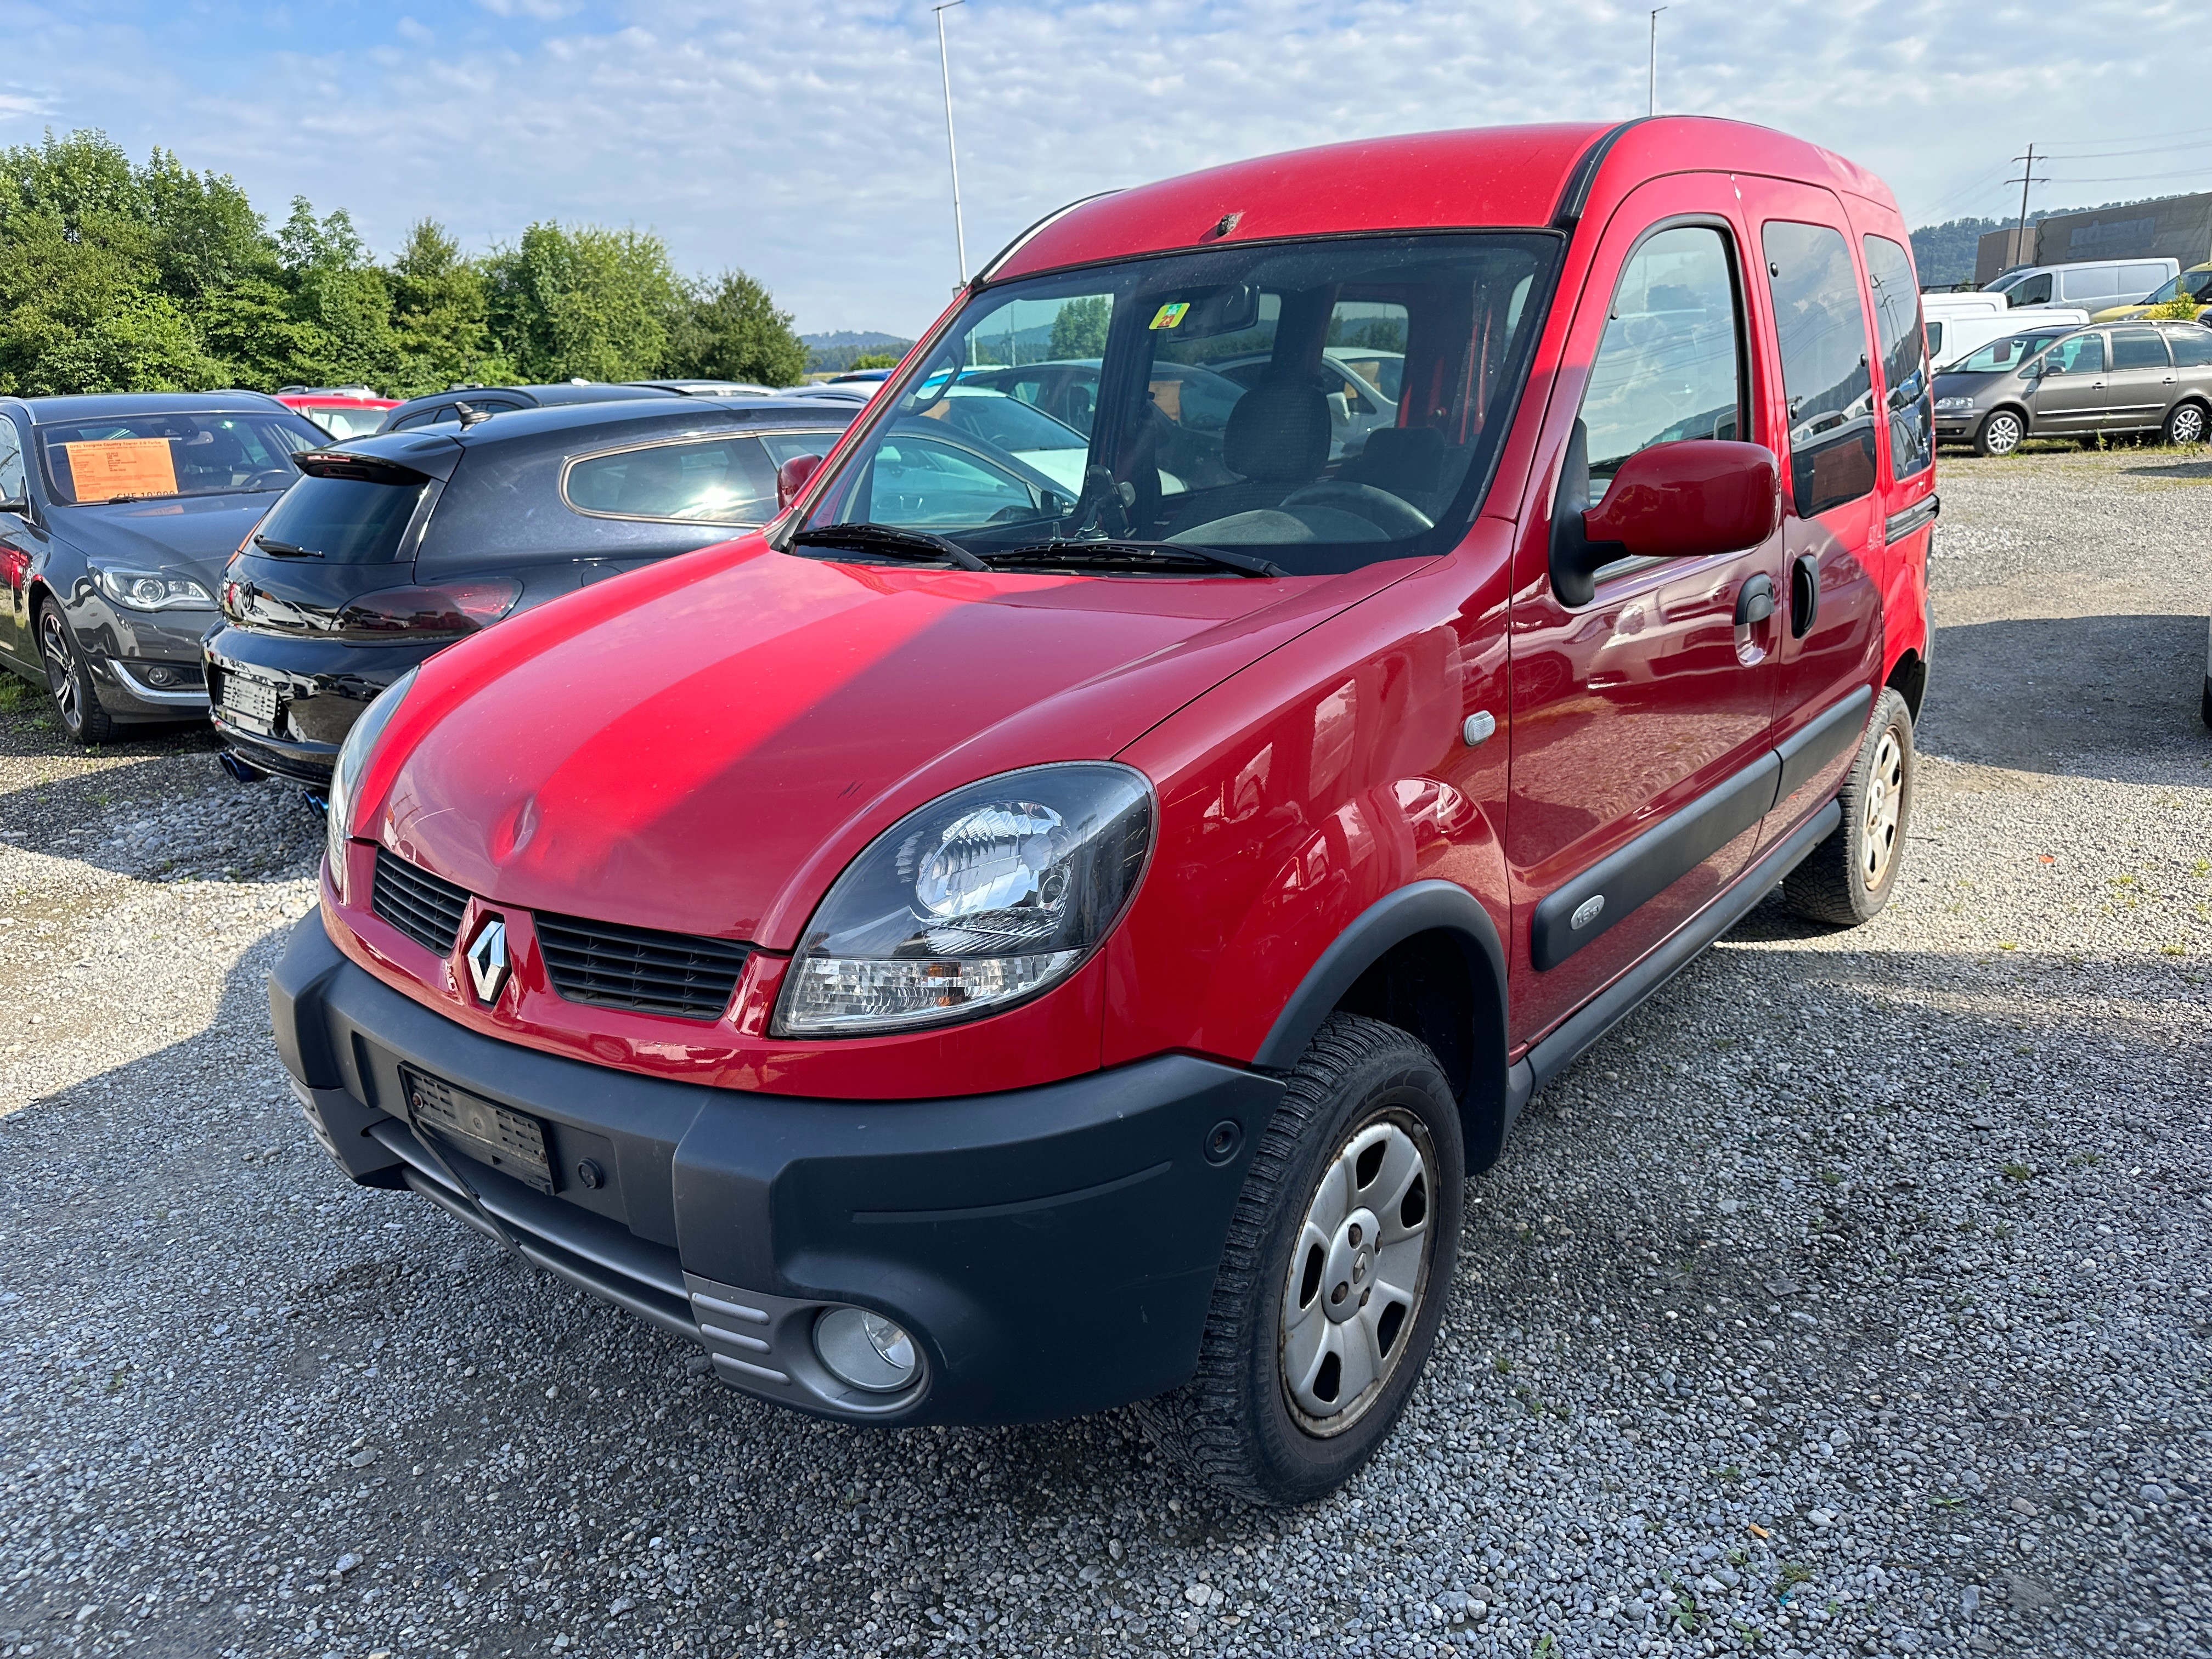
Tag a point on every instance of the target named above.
point(1821, 328)
point(2191, 348)
point(1903, 357)
point(705, 481)
point(1670, 363)
point(2138, 347)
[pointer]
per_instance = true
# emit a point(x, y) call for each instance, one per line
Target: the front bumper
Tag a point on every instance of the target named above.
point(322, 687)
point(1053, 1250)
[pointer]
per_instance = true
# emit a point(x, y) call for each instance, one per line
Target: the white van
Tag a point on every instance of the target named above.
point(1950, 338)
point(2092, 284)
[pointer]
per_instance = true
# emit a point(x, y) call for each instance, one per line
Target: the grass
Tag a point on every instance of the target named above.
point(2018, 1172)
point(18, 697)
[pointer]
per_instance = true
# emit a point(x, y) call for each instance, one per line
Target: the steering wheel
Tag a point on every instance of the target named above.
point(273, 478)
point(1395, 518)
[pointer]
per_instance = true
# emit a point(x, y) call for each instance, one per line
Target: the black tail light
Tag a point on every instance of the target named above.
point(446, 612)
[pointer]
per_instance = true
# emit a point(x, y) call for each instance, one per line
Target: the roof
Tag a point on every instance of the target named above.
point(589, 391)
point(1483, 177)
point(93, 404)
point(705, 415)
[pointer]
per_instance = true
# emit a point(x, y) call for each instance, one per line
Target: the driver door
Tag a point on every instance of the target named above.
point(2070, 393)
point(1639, 717)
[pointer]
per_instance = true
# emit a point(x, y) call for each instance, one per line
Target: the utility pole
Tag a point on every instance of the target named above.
point(1653, 78)
point(951, 148)
point(2026, 178)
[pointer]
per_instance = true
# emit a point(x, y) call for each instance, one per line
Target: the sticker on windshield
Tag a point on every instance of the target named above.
point(1171, 316)
point(101, 470)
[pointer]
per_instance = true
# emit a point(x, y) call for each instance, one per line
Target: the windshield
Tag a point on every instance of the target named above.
point(2000, 355)
point(131, 458)
point(1237, 399)
point(2195, 284)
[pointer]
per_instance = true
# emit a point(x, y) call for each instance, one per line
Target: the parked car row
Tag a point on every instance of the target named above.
point(2132, 379)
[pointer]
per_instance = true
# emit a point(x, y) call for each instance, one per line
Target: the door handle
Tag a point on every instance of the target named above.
point(1804, 594)
point(1754, 600)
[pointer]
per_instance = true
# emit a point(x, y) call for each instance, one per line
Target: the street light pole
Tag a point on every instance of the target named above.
point(1656, 10)
point(952, 148)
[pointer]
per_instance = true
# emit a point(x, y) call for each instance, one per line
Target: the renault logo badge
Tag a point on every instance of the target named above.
point(487, 960)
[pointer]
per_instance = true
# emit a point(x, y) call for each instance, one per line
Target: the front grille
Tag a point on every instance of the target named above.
point(420, 905)
point(617, 967)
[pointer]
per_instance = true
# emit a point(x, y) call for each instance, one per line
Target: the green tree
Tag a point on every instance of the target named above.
point(78, 313)
point(583, 300)
point(438, 315)
point(1078, 328)
point(730, 329)
point(875, 359)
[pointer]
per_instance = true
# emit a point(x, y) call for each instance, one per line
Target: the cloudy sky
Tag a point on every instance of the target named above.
point(806, 142)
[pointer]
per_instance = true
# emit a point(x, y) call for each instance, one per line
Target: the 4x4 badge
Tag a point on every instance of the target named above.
point(487, 961)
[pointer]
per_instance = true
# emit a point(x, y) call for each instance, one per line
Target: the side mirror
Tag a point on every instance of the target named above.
point(1674, 500)
point(1339, 408)
point(793, 477)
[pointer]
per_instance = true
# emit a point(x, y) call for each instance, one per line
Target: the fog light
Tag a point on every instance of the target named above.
point(866, 1349)
point(162, 674)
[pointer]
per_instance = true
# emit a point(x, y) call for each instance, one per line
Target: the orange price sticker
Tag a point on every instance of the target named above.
point(101, 470)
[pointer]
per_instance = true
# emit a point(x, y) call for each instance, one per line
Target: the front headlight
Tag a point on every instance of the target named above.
point(1944, 404)
point(152, 590)
point(345, 776)
point(983, 897)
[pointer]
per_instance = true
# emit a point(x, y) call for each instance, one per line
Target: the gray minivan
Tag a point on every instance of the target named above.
point(2093, 285)
point(2121, 377)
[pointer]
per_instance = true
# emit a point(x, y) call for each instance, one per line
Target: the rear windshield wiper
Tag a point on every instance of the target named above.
point(1135, 555)
point(889, 539)
point(286, 550)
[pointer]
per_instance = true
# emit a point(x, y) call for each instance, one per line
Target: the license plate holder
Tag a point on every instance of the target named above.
point(511, 1142)
point(252, 696)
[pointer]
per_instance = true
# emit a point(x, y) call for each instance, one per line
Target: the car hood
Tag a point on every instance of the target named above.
point(194, 535)
point(1950, 383)
point(700, 746)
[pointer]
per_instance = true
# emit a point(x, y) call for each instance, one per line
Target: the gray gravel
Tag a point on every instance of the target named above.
point(1848, 1299)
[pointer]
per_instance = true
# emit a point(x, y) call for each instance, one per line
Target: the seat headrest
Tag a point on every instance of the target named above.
point(1403, 457)
point(1278, 433)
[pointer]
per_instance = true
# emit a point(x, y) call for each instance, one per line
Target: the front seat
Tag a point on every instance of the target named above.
point(1277, 437)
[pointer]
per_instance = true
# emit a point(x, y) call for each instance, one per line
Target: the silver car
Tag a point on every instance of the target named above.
point(2120, 378)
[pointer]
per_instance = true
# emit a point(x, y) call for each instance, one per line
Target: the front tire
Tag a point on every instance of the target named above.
point(68, 682)
point(1847, 879)
point(1340, 1258)
point(2000, 434)
point(2184, 426)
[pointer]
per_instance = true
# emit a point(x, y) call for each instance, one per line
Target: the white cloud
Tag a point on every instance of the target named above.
point(806, 143)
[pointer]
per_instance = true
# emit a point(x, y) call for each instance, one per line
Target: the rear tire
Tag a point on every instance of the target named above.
point(1847, 879)
point(1356, 1189)
point(2186, 425)
point(68, 682)
point(2000, 433)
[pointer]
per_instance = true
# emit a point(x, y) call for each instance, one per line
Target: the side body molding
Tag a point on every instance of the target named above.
point(1423, 907)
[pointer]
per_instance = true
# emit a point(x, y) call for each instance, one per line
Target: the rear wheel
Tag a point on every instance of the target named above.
point(2000, 434)
point(2184, 425)
point(1333, 1284)
point(69, 681)
point(1847, 878)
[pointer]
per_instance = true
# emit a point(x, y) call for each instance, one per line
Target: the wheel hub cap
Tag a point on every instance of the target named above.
point(1357, 1273)
point(1885, 801)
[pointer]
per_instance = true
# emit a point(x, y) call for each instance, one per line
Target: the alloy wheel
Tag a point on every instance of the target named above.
point(1358, 1272)
point(2002, 435)
point(2187, 425)
point(1885, 802)
point(62, 679)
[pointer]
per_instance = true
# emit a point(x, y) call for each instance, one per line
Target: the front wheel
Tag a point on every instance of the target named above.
point(1333, 1284)
point(2000, 434)
point(2184, 426)
point(1846, 880)
point(68, 682)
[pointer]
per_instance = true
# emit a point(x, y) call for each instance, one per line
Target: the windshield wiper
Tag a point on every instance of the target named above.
point(1137, 556)
point(110, 500)
point(286, 550)
point(889, 539)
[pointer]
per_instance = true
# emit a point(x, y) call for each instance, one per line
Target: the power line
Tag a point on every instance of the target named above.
point(2135, 178)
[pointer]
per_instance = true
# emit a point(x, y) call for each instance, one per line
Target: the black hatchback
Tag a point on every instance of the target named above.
point(392, 547)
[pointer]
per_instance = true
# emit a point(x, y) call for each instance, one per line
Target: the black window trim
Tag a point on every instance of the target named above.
point(1870, 344)
point(1927, 358)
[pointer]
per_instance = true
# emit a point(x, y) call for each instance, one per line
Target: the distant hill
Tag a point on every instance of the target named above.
point(827, 354)
point(1944, 254)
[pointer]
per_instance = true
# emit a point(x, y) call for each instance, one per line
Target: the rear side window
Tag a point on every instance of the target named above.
point(704, 481)
point(341, 520)
point(1904, 359)
point(1669, 365)
point(2192, 350)
point(1821, 328)
point(2139, 348)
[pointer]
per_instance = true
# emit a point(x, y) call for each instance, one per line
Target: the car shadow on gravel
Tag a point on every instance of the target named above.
point(161, 816)
point(2109, 698)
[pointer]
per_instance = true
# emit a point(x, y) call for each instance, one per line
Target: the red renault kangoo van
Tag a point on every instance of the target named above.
point(1294, 656)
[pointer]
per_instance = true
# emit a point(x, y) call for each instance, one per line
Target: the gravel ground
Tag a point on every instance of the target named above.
point(1848, 1299)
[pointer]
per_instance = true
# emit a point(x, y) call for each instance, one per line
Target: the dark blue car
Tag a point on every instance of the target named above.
point(116, 515)
point(392, 547)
